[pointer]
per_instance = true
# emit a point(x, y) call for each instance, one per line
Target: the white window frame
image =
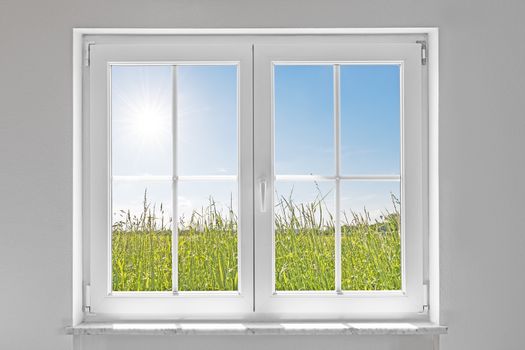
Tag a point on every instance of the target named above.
point(104, 301)
point(341, 303)
point(155, 306)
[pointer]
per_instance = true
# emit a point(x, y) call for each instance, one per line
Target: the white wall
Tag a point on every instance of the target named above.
point(482, 130)
point(255, 343)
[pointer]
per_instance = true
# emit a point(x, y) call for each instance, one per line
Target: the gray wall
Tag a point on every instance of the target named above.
point(482, 139)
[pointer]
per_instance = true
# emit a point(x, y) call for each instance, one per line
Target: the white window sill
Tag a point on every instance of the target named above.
point(273, 328)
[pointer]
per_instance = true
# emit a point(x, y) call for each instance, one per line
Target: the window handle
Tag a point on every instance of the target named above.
point(262, 189)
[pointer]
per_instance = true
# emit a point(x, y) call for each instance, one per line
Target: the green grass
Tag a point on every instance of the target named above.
point(141, 260)
point(304, 249)
point(371, 252)
point(304, 245)
point(208, 250)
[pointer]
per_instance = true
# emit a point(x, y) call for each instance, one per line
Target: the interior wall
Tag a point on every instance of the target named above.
point(482, 124)
point(255, 342)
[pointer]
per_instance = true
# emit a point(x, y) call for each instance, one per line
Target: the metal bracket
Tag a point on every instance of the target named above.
point(87, 300)
point(424, 56)
point(87, 52)
point(426, 304)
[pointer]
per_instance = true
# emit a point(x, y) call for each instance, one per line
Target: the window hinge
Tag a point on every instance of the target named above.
point(87, 52)
point(87, 299)
point(424, 56)
point(426, 289)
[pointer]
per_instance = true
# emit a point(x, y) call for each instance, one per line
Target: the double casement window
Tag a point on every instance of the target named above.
point(255, 178)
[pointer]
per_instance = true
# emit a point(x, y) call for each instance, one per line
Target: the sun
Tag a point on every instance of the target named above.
point(144, 109)
point(148, 123)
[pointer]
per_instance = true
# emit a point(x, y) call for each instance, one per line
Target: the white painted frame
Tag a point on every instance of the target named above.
point(104, 301)
point(342, 303)
point(80, 82)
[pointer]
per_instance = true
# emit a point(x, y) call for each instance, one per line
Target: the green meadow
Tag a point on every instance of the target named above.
point(304, 249)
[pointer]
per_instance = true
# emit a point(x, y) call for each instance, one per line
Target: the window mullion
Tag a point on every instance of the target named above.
point(174, 229)
point(337, 141)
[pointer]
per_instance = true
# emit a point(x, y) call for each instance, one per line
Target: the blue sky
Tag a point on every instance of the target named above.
point(207, 131)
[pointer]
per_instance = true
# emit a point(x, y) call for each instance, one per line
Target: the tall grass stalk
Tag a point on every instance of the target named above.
point(304, 248)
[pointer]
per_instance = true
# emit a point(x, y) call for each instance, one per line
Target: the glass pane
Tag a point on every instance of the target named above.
point(370, 235)
point(304, 236)
point(207, 120)
point(207, 236)
point(370, 119)
point(304, 135)
point(141, 114)
point(141, 236)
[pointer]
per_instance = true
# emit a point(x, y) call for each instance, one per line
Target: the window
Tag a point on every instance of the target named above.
point(339, 140)
point(276, 177)
point(171, 158)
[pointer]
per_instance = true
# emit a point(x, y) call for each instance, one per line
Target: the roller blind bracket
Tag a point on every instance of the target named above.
point(87, 52)
point(424, 56)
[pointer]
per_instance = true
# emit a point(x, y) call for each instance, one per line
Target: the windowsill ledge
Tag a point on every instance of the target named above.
point(268, 328)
